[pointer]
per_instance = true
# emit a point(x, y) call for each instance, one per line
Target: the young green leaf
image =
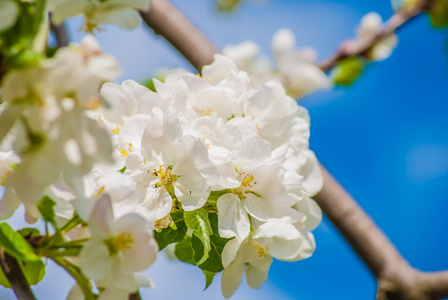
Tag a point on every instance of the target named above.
point(34, 272)
point(347, 70)
point(208, 278)
point(184, 251)
point(214, 261)
point(15, 245)
point(169, 235)
point(46, 208)
point(29, 232)
point(198, 221)
point(439, 13)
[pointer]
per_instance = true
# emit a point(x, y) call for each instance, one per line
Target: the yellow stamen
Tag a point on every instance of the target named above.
point(121, 242)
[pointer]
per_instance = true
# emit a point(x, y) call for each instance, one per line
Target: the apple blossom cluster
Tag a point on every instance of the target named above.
point(218, 165)
point(296, 69)
point(222, 167)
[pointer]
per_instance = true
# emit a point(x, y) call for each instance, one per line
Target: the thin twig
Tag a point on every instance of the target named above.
point(396, 279)
point(164, 18)
point(348, 49)
point(135, 296)
point(15, 276)
point(60, 33)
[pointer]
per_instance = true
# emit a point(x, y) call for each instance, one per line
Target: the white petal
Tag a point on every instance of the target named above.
point(192, 190)
point(219, 69)
point(140, 257)
point(125, 18)
point(232, 217)
point(277, 229)
point(312, 211)
point(257, 274)
point(8, 204)
point(102, 218)
point(230, 251)
point(231, 278)
point(255, 150)
point(94, 259)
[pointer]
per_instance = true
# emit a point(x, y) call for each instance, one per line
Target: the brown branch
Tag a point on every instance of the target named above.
point(60, 33)
point(396, 278)
point(350, 49)
point(135, 296)
point(15, 276)
point(166, 20)
point(356, 226)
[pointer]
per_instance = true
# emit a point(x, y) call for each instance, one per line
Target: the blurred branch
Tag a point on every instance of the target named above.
point(15, 276)
point(349, 49)
point(166, 20)
point(60, 33)
point(135, 296)
point(396, 279)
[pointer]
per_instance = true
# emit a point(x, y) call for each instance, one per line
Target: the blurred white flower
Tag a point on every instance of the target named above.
point(117, 249)
point(9, 11)
point(54, 134)
point(369, 26)
point(295, 69)
point(120, 12)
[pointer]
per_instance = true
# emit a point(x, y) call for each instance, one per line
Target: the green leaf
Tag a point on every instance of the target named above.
point(160, 75)
point(439, 13)
point(214, 262)
point(122, 170)
point(29, 232)
point(228, 5)
point(34, 272)
point(208, 278)
point(169, 235)
point(46, 208)
point(197, 220)
point(15, 245)
point(184, 251)
point(347, 70)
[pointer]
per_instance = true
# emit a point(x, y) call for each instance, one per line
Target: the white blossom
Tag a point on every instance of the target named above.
point(120, 12)
point(295, 69)
point(55, 135)
point(253, 255)
point(117, 249)
point(370, 25)
point(9, 11)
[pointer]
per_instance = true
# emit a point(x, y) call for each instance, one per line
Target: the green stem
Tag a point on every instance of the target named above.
point(67, 252)
point(71, 244)
point(72, 223)
point(75, 271)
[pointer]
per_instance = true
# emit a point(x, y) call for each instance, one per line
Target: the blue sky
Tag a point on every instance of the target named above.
point(385, 138)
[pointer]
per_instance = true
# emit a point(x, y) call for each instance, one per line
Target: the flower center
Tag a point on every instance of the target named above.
point(247, 182)
point(117, 129)
point(126, 149)
point(207, 113)
point(260, 249)
point(163, 223)
point(164, 175)
point(121, 242)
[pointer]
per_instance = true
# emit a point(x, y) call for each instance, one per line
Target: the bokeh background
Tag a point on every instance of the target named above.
point(385, 138)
